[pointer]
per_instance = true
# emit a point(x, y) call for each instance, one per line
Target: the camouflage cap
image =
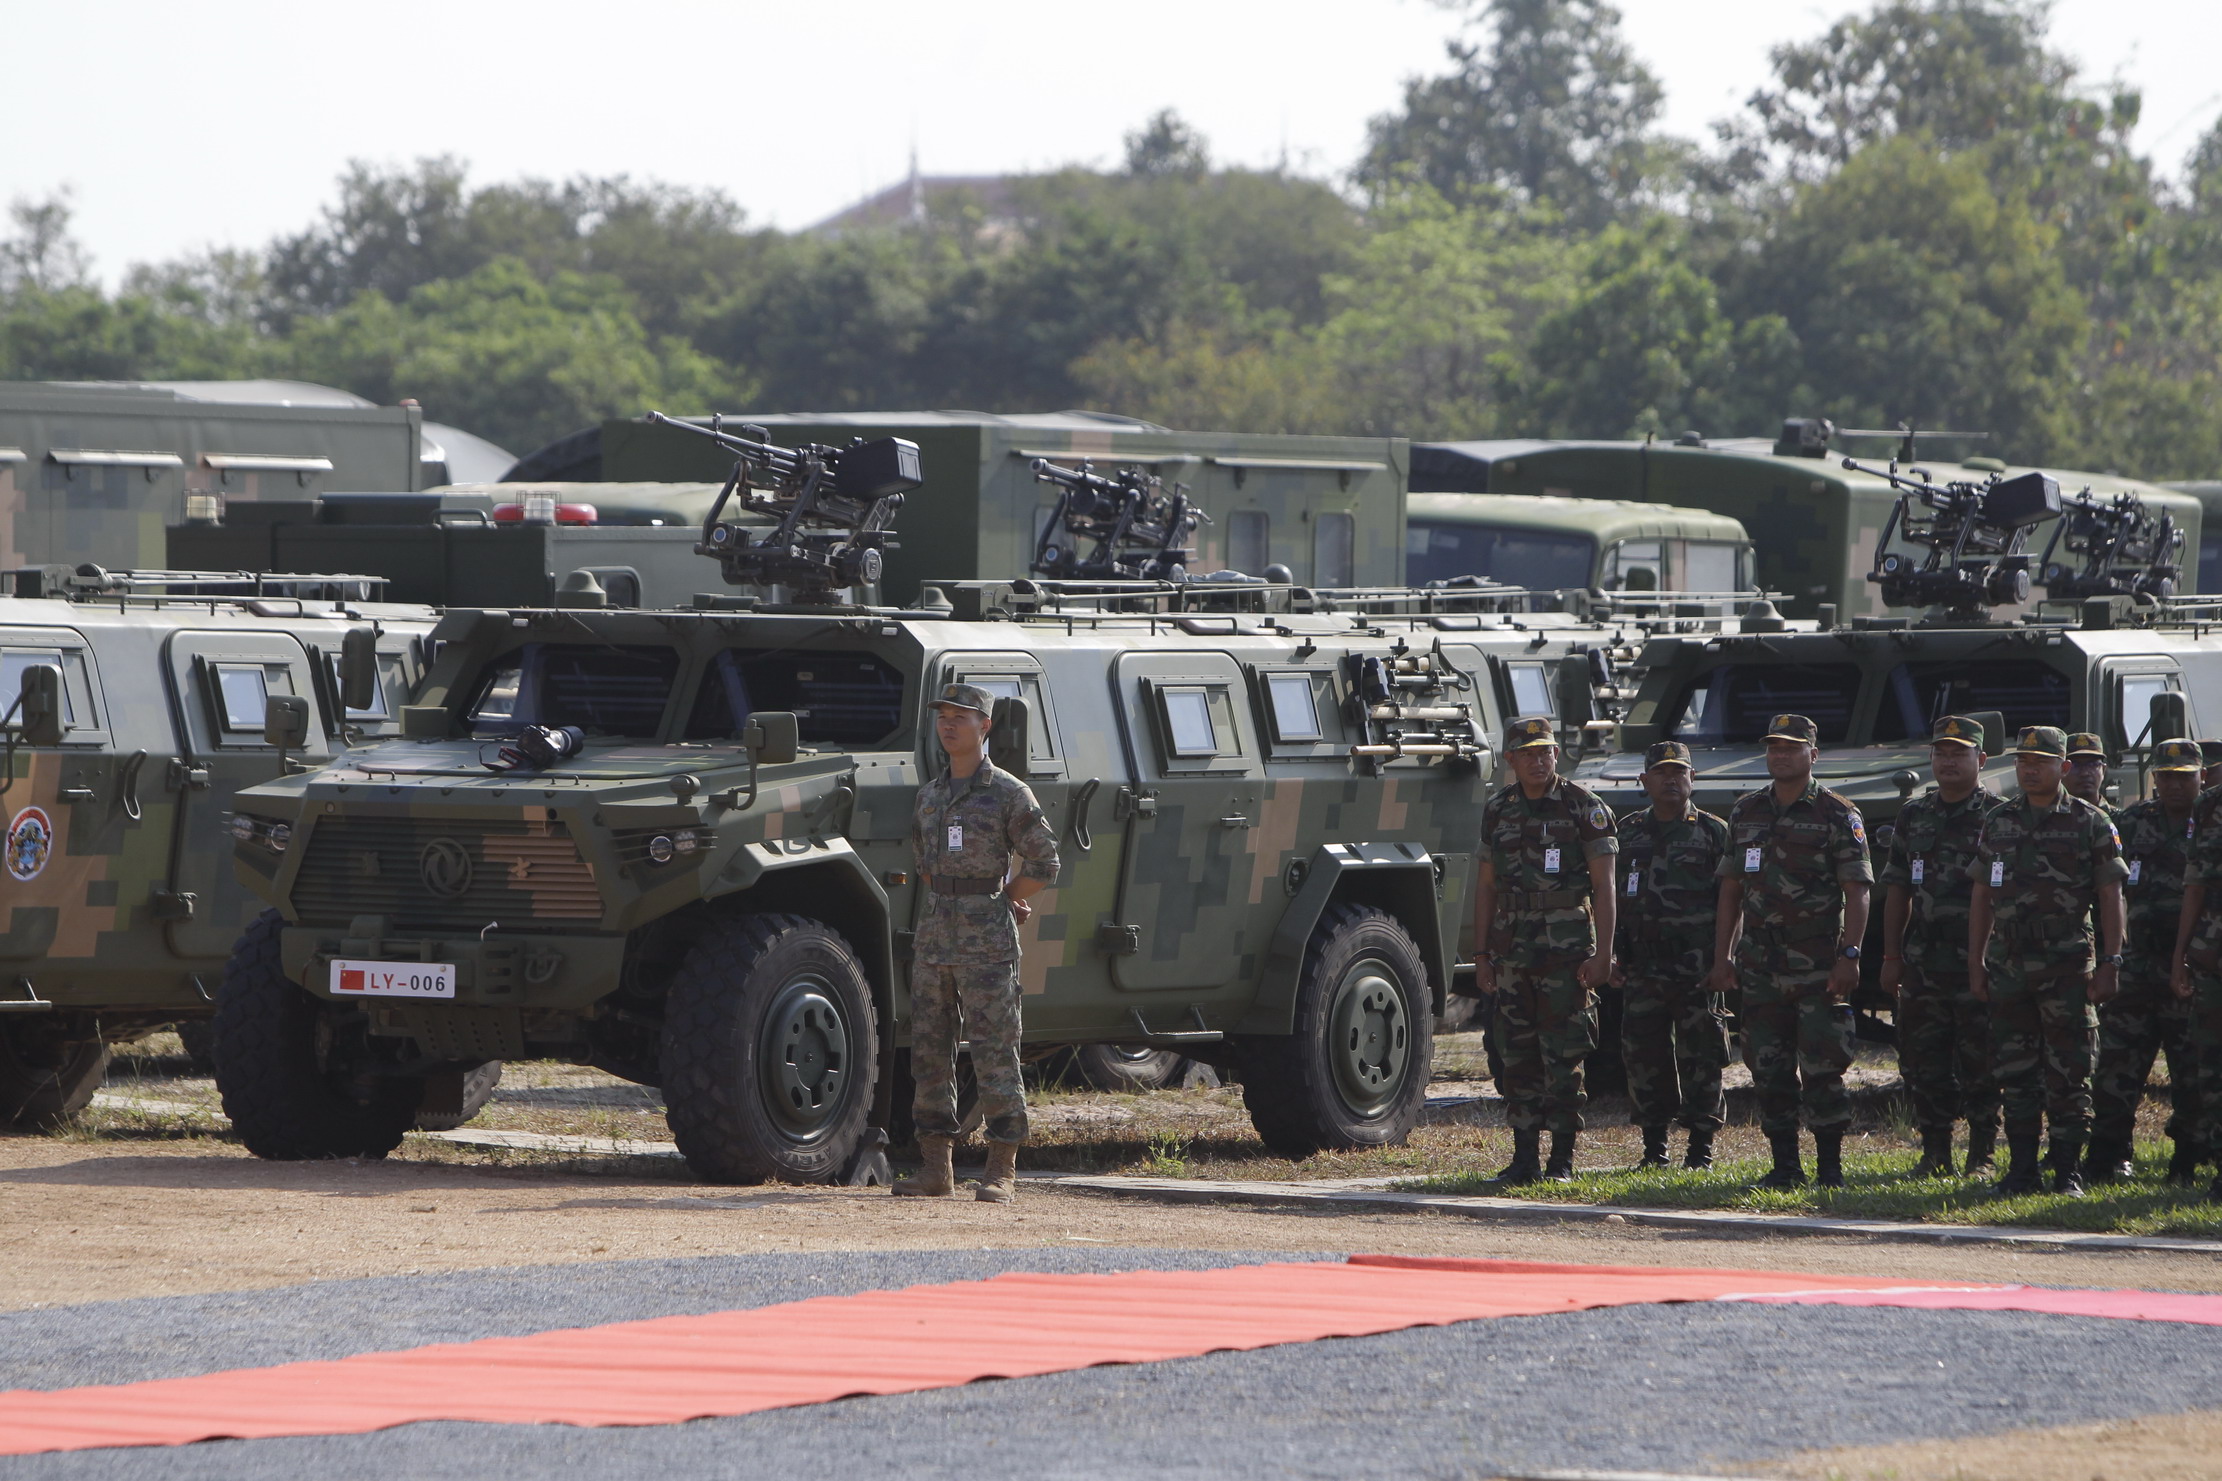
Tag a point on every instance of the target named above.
point(1957, 730)
point(1794, 727)
point(1529, 732)
point(965, 697)
point(2210, 751)
point(1666, 753)
point(2083, 743)
point(2042, 740)
point(2178, 755)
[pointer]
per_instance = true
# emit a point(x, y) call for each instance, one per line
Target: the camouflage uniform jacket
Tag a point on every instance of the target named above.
point(968, 830)
point(1794, 863)
point(1932, 857)
point(2157, 851)
point(2205, 947)
point(1541, 852)
point(1669, 883)
point(2044, 868)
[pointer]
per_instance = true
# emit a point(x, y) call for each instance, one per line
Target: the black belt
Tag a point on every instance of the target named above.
point(942, 884)
point(1542, 899)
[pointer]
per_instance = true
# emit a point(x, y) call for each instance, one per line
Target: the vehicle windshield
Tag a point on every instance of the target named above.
point(2024, 690)
point(1438, 550)
point(604, 689)
point(838, 698)
point(1735, 703)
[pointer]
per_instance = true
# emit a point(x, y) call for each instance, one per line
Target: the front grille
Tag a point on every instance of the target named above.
point(524, 873)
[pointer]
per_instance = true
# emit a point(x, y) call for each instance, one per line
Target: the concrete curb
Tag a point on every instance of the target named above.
point(1373, 1195)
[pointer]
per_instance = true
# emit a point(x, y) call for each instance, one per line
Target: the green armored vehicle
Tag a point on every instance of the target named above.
point(676, 844)
point(135, 710)
point(1549, 542)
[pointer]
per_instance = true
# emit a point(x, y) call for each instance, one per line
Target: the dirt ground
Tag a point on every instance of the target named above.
point(2162, 1447)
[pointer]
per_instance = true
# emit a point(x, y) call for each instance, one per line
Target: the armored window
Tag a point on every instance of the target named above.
point(1248, 540)
point(2023, 690)
point(242, 693)
point(1733, 704)
point(838, 699)
point(389, 673)
point(1041, 738)
point(1334, 549)
point(1189, 728)
point(1531, 689)
point(1294, 706)
point(1635, 565)
point(1712, 565)
point(1545, 560)
point(602, 689)
point(16, 662)
point(2133, 714)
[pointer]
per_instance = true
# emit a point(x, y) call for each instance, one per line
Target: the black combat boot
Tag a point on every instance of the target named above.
point(2022, 1173)
point(1561, 1168)
point(1788, 1171)
point(2067, 1165)
point(1526, 1166)
point(1982, 1142)
point(1936, 1153)
point(1654, 1148)
point(2107, 1161)
point(1828, 1159)
point(2183, 1164)
point(1700, 1153)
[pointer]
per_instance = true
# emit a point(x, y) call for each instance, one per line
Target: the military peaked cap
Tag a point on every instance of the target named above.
point(964, 697)
point(2177, 755)
point(1666, 753)
point(1527, 733)
point(1957, 730)
point(1794, 727)
point(2083, 743)
point(2042, 740)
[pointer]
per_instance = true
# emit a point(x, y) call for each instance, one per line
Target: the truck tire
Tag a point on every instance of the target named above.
point(46, 1078)
point(454, 1098)
point(769, 1051)
point(295, 1072)
point(1128, 1066)
point(1354, 1072)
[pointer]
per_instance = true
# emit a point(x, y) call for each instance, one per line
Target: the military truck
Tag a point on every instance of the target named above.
point(135, 710)
point(693, 866)
point(1814, 521)
point(1551, 542)
point(2209, 545)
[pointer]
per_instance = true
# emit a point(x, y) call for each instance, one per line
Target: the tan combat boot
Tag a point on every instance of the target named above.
point(936, 1179)
point(999, 1184)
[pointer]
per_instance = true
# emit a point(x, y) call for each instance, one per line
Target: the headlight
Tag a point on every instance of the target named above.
point(661, 849)
point(279, 836)
point(243, 828)
point(686, 840)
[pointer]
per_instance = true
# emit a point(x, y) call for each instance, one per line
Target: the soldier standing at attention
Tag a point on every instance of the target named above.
point(2146, 1016)
point(2210, 764)
point(2195, 972)
point(1672, 1035)
point(1944, 1030)
point(1794, 890)
point(1543, 917)
point(967, 825)
point(2044, 860)
point(2087, 773)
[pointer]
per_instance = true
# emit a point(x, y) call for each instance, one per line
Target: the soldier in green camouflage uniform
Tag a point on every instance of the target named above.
point(1944, 1048)
point(967, 825)
point(2210, 764)
point(2044, 860)
point(1543, 924)
point(2146, 1017)
point(2196, 971)
point(1673, 1034)
point(2086, 778)
point(1794, 895)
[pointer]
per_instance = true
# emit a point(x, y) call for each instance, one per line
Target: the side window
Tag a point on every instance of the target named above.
point(2133, 710)
point(1294, 707)
point(239, 693)
point(1711, 566)
point(1041, 731)
point(1195, 724)
point(16, 662)
point(1249, 534)
point(1189, 730)
point(1299, 714)
point(390, 681)
point(1334, 550)
point(1634, 565)
point(1529, 686)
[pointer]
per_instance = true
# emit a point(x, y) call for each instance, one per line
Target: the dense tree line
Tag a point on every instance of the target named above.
point(1926, 213)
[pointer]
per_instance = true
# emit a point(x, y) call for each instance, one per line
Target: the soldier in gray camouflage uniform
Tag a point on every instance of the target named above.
point(1944, 1030)
point(2044, 860)
point(968, 823)
point(1543, 928)
point(1794, 893)
point(1673, 1032)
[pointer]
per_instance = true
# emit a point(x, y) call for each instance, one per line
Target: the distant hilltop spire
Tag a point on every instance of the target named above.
point(917, 186)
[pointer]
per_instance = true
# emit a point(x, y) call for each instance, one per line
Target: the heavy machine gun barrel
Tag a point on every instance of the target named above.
point(1138, 530)
point(1975, 537)
point(833, 509)
point(2126, 549)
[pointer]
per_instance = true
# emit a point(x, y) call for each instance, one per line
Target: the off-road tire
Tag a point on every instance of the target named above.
point(46, 1079)
point(742, 1108)
point(1354, 1072)
point(477, 1089)
point(285, 1105)
point(1128, 1067)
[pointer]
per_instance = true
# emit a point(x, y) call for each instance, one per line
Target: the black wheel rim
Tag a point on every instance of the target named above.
point(803, 1055)
point(1369, 1036)
point(1135, 1054)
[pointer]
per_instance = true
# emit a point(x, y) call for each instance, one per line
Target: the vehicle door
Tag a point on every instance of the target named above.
point(220, 683)
point(2125, 694)
point(1184, 918)
point(71, 813)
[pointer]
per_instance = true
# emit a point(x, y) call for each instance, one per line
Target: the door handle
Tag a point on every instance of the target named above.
point(1234, 820)
point(1082, 801)
point(1131, 802)
point(127, 784)
point(186, 778)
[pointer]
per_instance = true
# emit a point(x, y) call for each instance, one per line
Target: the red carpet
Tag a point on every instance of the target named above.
point(884, 1342)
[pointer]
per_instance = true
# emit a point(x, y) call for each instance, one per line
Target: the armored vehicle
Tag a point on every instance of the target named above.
point(1550, 542)
point(135, 710)
point(676, 844)
point(1813, 520)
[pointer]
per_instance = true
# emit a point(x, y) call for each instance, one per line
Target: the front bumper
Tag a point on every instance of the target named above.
point(504, 970)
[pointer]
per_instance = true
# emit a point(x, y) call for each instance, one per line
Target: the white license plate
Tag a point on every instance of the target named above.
point(392, 979)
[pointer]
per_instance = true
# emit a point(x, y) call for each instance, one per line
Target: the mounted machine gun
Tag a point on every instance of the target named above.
point(1975, 536)
point(2125, 549)
point(1139, 531)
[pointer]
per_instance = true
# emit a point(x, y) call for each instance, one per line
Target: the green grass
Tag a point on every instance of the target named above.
point(1880, 1186)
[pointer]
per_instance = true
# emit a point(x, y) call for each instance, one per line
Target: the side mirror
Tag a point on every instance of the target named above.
point(40, 714)
point(772, 737)
point(1994, 731)
point(358, 668)
point(1571, 687)
point(285, 722)
point(2170, 717)
point(1008, 746)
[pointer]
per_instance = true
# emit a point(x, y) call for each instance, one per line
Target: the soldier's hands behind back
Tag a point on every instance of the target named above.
point(2105, 982)
point(1594, 972)
point(1843, 981)
point(1485, 976)
point(1892, 976)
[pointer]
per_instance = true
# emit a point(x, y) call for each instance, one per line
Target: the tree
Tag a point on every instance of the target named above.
point(42, 255)
point(1166, 145)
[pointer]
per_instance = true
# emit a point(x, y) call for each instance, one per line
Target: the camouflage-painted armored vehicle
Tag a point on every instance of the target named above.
point(676, 844)
point(136, 707)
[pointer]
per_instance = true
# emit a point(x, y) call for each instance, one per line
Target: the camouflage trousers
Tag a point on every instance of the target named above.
point(1546, 1025)
point(1674, 1041)
point(1797, 1045)
point(2136, 1026)
point(2206, 1041)
point(949, 1005)
point(1944, 1050)
point(2043, 1039)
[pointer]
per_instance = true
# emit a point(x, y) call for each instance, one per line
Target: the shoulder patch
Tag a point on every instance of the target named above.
point(1600, 817)
point(1859, 828)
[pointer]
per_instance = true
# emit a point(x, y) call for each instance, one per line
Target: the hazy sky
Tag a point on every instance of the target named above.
point(225, 122)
